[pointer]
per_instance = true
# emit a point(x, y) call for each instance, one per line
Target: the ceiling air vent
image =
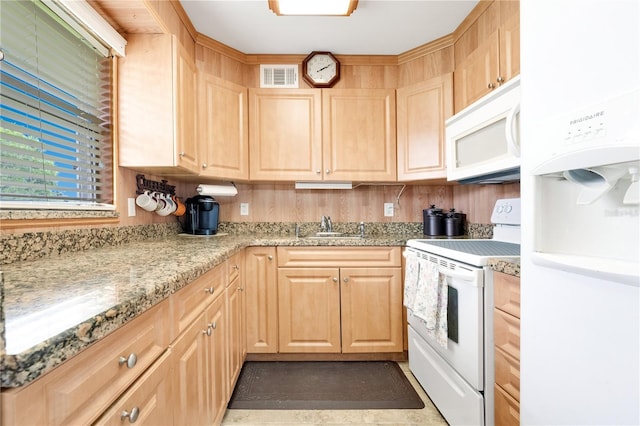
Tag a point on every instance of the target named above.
point(285, 76)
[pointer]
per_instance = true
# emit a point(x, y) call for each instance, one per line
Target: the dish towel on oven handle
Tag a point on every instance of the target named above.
point(431, 300)
point(410, 278)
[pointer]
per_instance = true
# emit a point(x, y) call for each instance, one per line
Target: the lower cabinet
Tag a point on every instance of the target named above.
point(236, 344)
point(506, 330)
point(149, 401)
point(261, 293)
point(339, 300)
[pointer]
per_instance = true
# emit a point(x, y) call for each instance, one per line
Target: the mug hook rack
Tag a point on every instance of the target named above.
point(153, 185)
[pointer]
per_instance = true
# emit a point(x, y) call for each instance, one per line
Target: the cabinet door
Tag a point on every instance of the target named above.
point(421, 113)
point(261, 292)
point(235, 340)
point(156, 106)
point(217, 347)
point(223, 132)
point(509, 39)
point(371, 307)
point(309, 310)
point(185, 100)
point(148, 402)
point(191, 402)
point(477, 75)
point(359, 134)
point(285, 134)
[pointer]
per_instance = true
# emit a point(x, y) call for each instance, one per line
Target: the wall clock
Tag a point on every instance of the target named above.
point(321, 69)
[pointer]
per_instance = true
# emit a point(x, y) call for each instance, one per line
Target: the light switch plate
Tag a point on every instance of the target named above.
point(244, 209)
point(131, 206)
point(388, 209)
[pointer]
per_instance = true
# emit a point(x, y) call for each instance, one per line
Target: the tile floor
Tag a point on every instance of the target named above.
point(426, 416)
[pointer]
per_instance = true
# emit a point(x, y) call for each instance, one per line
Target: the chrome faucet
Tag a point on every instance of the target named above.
point(325, 224)
point(361, 228)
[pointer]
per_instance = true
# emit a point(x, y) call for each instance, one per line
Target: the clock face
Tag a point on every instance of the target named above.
point(321, 69)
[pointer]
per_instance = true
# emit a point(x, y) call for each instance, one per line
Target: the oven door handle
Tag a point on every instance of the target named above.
point(462, 275)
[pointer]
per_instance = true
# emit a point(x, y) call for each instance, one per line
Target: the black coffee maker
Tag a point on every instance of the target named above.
point(201, 217)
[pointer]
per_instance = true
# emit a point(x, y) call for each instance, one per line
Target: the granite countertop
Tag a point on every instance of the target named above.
point(56, 307)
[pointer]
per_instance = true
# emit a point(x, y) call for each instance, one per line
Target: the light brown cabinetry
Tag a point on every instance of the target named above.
point(261, 292)
point(223, 132)
point(200, 352)
point(149, 401)
point(421, 112)
point(488, 53)
point(236, 344)
point(329, 134)
point(506, 328)
point(157, 106)
point(81, 389)
point(339, 299)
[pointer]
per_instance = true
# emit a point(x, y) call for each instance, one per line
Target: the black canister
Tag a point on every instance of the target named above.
point(433, 221)
point(454, 223)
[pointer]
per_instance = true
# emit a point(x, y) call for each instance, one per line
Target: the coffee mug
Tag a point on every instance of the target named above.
point(166, 206)
point(147, 201)
point(181, 208)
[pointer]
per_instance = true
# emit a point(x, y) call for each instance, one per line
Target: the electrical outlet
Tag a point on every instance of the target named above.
point(244, 209)
point(388, 209)
point(131, 206)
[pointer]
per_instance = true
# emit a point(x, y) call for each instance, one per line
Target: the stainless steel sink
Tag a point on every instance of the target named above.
point(332, 235)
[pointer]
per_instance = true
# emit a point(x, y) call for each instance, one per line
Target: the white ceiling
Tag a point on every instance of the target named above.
point(376, 27)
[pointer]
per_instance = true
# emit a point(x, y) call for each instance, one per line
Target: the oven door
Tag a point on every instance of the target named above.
point(465, 318)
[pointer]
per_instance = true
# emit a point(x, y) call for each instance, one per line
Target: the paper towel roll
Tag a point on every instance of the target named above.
point(217, 190)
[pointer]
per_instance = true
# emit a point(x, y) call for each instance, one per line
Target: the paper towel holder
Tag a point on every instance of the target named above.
point(224, 189)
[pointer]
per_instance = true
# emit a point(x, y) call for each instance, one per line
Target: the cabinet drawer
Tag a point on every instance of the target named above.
point(149, 399)
point(506, 293)
point(507, 373)
point(507, 409)
point(190, 301)
point(83, 387)
point(378, 257)
point(506, 330)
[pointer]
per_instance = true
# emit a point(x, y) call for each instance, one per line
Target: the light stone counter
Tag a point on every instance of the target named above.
point(508, 267)
point(55, 307)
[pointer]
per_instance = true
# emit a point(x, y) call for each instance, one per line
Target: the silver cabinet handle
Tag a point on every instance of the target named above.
point(131, 360)
point(335, 279)
point(204, 165)
point(317, 171)
point(346, 279)
point(236, 267)
point(240, 289)
point(182, 154)
point(213, 325)
point(500, 79)
point(327, 171)
point(132, 415)
point(491, 86)
point(209, 290)
point(270, 257)
point(207, 331)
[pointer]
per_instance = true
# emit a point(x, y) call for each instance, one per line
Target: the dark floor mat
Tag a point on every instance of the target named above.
point(323, 385)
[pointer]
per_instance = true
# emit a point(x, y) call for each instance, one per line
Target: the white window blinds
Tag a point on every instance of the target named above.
point(55, 113)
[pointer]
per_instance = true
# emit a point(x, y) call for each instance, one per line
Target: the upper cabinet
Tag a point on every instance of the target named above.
point(421, 112)
point(157, 106)
point(487, 54)
point(329, 134)
point(285, 134)
point(359, 134)
point(223, 134)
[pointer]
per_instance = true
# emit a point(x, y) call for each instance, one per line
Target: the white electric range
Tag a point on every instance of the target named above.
point(456, 368)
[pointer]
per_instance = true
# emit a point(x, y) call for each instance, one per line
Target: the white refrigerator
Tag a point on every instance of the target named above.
point(580, 284)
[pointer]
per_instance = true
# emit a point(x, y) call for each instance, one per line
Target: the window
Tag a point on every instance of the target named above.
point(55, 112)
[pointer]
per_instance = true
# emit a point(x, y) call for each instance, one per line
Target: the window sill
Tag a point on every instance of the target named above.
point(15, 219)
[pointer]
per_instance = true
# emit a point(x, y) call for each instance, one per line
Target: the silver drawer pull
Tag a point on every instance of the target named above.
point(132, 415)
point(131, 360)
point(207, 331)
point(209, 290)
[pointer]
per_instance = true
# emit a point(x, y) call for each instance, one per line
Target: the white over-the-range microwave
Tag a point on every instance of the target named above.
point(483, 140)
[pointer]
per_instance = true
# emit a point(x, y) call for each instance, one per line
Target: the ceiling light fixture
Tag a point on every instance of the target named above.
point(313, 7)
